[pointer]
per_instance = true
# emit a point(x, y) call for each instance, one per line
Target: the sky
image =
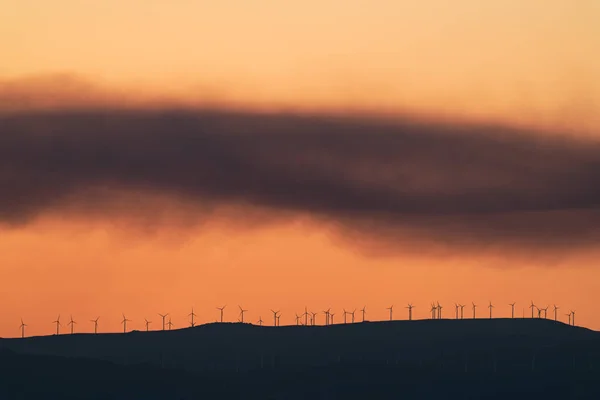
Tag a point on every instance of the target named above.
point(158, 156)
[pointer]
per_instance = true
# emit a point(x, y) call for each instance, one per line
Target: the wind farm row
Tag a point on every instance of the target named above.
point(309, 318)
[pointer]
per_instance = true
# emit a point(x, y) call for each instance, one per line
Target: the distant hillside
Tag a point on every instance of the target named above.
point(480, 344)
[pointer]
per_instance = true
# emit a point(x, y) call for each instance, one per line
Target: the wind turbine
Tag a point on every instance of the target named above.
point(456, 310)
point(569, 315)
point(260, 321)
point(163, 316)
point(462, 310)
point(573, 319)
point(57, 322)
point(491, 306)
point(147, 324)
point(278, 320)
point(314, 318)
point(555, 310)
point(332, 315)
point(297, 319)
point(532, 306)
point(433, 310)
point(345, 312)
point(124, 322)
point(439, 308)
point(391, 308)
point(221, 309)
point(545, 312)
point(326, 312)
point(364, 312)
point(305, 316)
point(72, 323)
point(275, 317)
point(242, 311)
point(193, 315)
point(539, 312)
point(474, 309)
point(22, 326)
point(95, 321)
point(512, 308)
point(170, 324)
point(410, 307)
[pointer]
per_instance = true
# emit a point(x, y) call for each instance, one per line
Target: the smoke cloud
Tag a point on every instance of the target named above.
point(371, 180)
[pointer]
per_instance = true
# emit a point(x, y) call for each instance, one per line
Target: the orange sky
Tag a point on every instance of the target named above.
point(533, 62)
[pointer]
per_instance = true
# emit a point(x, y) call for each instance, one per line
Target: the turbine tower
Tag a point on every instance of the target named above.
point(474, 309)
point(439, 310)
point(573, 318)
point(364, 312)
point(221, 309)
point(147, 324)
point(124, 322)
point(22, 326)
point(170, 324)
point(260, 321)
point(57, 322)
point(95, 321)
point(163, 316)
point(555, 310)
point(391, 308)
point(345, 312)
point(72, 323)
point(532, 306)
point(491, 307)
point(462, 310)
point(410, 307)
point(192, 315)
point(275, 317)
point(242, 311)
point(314, 318)
point(297, 319)
point(456, 310)
point(512, 309)
point(433, 310)
point(332, 315)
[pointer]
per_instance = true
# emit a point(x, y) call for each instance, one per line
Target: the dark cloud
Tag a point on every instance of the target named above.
point(372, 179)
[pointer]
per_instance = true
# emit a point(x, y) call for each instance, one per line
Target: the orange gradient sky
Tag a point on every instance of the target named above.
point(518, 62)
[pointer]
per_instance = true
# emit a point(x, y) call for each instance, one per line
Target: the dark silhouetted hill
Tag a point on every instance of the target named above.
point(499, 358)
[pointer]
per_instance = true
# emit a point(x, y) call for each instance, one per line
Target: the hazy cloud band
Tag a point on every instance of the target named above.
point(465, 184)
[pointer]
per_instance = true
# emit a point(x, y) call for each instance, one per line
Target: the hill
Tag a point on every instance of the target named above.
point(493, 359)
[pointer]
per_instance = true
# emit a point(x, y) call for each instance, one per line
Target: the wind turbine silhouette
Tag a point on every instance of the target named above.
point(555, 310)
point(193, 315)
point(57, 322)
point(545, 312)
point(314, 318)
point(433, 310)
point(22, 326)
point(573, 319)
point(512, 308)
point(275, 317)
point(297, 319)
point(491, 306)
point(163, 316)
point(278, 320)
point(456, 310)
point(462, 309)
point(221, 309)
point(569, 315)
point(242, 311)
point(332, 315)
point(95, 321)
point(124, 322)
point(539, 312)
point(364, 312)
point(352, 313)
point(147, 324)
point(439, 308)
point(170, 324)
point(72, 323)
point(260, 321)
point(532, 306)
point(410, 307)
point(391, 308)
point(345, 312)
point(305, 316)
point(326, 312)
point(474, 309)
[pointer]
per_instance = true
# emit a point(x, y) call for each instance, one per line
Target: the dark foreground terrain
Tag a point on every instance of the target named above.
point(441, 359)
